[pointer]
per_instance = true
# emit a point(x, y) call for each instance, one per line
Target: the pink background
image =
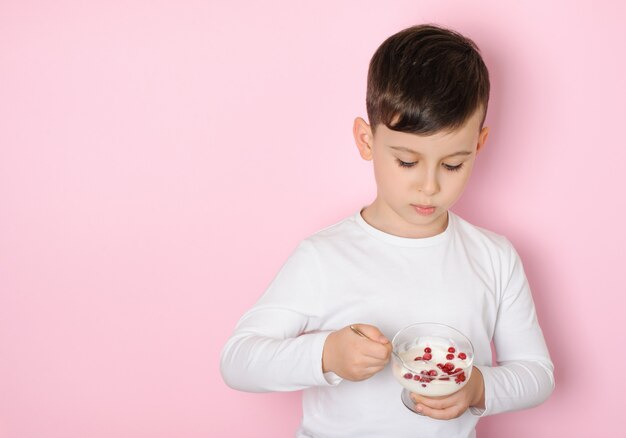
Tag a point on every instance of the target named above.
point(159, 160)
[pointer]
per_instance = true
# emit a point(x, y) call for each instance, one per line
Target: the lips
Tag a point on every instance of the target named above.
point(424, 210)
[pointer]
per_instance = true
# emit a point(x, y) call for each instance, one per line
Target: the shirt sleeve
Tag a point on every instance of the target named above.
point(524, 375)
point(276, 345)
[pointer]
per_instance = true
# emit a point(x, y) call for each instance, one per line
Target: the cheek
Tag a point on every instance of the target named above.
point(467, 171)
point(388, 174)
point(379, 172)
point(458, 182)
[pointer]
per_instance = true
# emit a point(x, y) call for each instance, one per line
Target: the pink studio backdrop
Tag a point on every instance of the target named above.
point(160, 160)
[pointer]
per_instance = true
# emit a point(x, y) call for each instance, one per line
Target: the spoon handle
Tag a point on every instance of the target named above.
point(359, 332)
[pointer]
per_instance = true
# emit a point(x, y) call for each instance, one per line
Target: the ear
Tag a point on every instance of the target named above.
point(363, 138)
point(482, 139)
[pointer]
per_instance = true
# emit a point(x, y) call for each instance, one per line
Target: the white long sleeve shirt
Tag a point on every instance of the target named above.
point(466, 277)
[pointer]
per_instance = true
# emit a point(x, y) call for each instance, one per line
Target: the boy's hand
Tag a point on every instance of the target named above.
point(353, 357)
point(454, 405)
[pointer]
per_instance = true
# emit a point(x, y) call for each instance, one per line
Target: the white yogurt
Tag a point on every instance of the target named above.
point(425, 377)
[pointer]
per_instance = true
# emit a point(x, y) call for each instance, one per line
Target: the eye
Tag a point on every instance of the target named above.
point(453, 168)
point(405, 164)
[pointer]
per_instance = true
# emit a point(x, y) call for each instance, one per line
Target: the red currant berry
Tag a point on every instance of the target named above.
point(427, 350)
point(462, 356)
point(451, 350)
point(428, 356)
point(449, 356)
point(408, 376)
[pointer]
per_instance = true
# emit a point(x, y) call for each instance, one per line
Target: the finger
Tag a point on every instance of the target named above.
point(372, 333)
point(370, 361)
point(435, 403)
point(453, 411)
point(374, 370)
point(367, 372)
point(366, 355)
point(377, 351)
point(373, 349)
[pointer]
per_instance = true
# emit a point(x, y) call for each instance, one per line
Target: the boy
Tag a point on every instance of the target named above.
point(405, 258)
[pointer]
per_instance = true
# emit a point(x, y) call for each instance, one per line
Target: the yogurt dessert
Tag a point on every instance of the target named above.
point(431, 359)
point(434, 368)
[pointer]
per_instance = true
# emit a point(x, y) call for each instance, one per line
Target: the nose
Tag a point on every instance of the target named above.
point(429, 185)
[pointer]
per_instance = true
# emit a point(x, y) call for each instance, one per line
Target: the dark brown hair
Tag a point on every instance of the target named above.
point(426, 79)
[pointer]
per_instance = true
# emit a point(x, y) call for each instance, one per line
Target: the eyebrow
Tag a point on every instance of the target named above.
point(402, 148)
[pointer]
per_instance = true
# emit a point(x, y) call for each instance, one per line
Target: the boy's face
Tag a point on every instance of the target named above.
point(418, 178)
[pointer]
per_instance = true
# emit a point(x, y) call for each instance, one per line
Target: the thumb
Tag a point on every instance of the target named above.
point(372, 333)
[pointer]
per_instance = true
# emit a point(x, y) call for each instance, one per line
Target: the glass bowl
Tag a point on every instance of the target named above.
point(431, 359)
